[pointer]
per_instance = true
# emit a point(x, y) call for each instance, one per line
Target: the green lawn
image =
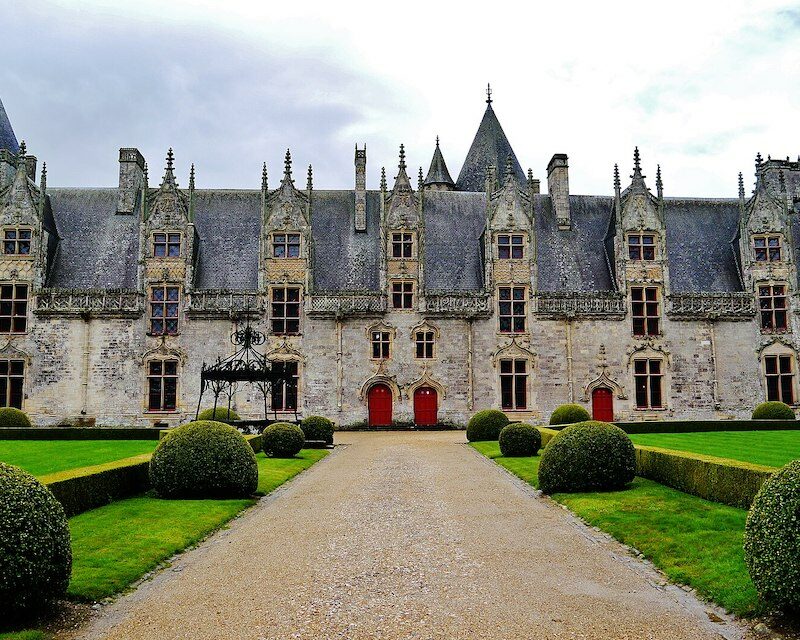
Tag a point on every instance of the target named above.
point(24, 635)
point(41, 457)
point(770, 448)
point(115, 545)
point(693, 541)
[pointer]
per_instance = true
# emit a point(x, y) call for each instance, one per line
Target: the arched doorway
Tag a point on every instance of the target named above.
point(379, 400)
point(426, 403)
point(603, 404)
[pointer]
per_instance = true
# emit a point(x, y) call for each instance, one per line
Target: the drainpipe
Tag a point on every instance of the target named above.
point(87, 324)
point(570, 383)
point(339, 373)
point(470, 375)
point(714, 381)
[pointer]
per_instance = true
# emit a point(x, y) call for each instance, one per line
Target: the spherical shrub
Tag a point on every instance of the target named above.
point(220, 414)
point(587, 456)
point(569, 414)
point(204, 459)
point(11, 417)
point(486, 425)
point(520, 439)
point(773, 411)
point(283, 440)
point(772, 539)
point(35, 550)
point(317, 428)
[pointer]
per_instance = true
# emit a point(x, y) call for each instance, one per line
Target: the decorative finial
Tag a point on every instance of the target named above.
point(420, 179)
point(310, 181)
point(43, 177)
point(264, 177)
point(170, 160)
point(488, 94)
point(759, 160)
point(530, 176)
point(617, 183)
point(509, 174)
point(402, 164)
point(287, 165)
point(741, 186)
point(22, 148)
point(145, 172)
point(782, 181)
point(637, 166)
point(191, 177)
point(659, 183)
point(383, 178)
point(437, 142)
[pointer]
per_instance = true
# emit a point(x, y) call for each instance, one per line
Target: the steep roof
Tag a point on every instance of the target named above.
point(490, 147)
point(7, 138)
point(438, 173)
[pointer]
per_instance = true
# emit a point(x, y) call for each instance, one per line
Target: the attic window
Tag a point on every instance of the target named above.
point(641, 246)
point(17, 241)
point(166, 245)
point(767, 248)
point(510, 247)
point(286, 245)
point(403, 295)
point(402, 245)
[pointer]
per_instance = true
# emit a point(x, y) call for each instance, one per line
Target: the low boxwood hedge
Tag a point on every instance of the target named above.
point(11, 417)
point(318, 428)
point(35, 549)
point(519, 439)
point(773, 411)
point(283, 440)
point(204, 459)
point(486, 425)
point(569, 414)
point(772, 539)
point(79, 433)
point(587, 456)
point(220, 414)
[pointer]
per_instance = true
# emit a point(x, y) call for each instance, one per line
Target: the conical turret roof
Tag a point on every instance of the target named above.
point(438, 173)
point(7, 138)
point(490, 147)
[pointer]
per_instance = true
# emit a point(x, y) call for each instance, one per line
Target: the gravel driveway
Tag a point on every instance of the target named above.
point(407, 535)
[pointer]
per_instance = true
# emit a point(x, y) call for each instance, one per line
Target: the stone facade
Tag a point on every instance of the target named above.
point(113, 299)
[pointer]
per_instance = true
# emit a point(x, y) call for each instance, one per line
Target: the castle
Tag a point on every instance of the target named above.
point(408, 304)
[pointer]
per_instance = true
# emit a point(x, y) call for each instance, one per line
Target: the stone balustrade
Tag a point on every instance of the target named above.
point(223, 303)
point(578, 304)
point(711, 305)
point(120, 303)
point(338, 305)
point(458, 304)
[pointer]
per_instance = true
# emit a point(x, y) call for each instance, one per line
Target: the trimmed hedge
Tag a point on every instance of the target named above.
point(11, 417)
point(587, 456)
point(35, 548)
point(569, 414)
point(317, 428)
point(519, 439)
point(204, 459)
point(79, 490)
point(704, 426)
point(79, 433)
point(486, 425)
point(220, 414)
point(773, 411)
point(255, 442)
point(283, 440)
point(717, 479)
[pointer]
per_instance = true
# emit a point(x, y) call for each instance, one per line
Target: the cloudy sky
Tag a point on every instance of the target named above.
point(699, 86)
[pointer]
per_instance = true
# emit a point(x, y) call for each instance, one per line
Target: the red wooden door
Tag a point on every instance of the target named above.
point(425, 405)
point(380, 406)
point(603, 405)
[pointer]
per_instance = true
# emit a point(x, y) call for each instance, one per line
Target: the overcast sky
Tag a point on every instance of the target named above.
point(700, 86)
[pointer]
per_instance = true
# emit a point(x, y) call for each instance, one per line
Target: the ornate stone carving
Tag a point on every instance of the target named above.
point(711, 306)
point(223, 303)
point(118, 303)
point(578, 304)
point(346, 304)
point(458, 304)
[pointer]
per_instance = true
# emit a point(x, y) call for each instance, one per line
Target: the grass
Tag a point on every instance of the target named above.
point(24, 635)
point(770, 448)
point(115, 545)
point(693, 541)
point(41, 457)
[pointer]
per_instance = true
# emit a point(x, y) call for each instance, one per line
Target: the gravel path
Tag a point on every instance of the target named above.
point(407, 535)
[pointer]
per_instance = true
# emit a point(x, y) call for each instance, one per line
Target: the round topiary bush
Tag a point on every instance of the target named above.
point(486, 425)
point(772, 539)
point(773, 411)
point(587, 456)
point(569, 414)
point(35, 550)
point(283, 440)
point(11, 417)
point(204, 459)
point(520, 439)
point(220, 414)
point(317, 428)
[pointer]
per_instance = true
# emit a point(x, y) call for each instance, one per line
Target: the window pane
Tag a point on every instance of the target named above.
point(655, 391)
point(506, 366)
point(640, 366)
point(158, 294)
point(641, 391)
point(170, 367)
point(771, 364)
point(17, 367)
point(772, 388)
point(293, 295)
point(170, 393)
point(520, 395)
point(506, 393)
point(505, 293)
point(15, 393)
point(174, 250)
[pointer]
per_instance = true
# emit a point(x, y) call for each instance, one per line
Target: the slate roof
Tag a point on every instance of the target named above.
point(7, 138)
point(438, 173)
point(490, 147)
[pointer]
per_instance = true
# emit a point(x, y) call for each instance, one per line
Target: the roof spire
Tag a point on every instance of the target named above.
point(383, 178)
point(419, 180)
point(169, 173)
point(22, 148)
point(191, 177)
point(43, 178)
point(659, 183)
point(170, 160)
point(617, 183)
point(759, 160)
point(741, 187)
point(489, 94)
point(310, 180)
point(21, 163)
point(402, 164)
point(287, 166)
point(264, 177)
point(438, 173)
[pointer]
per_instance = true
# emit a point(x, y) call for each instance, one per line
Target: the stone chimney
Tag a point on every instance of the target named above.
point(361, 189)
point(30, 167)
point(558, 188)
point(131, 181)
point(8, 167)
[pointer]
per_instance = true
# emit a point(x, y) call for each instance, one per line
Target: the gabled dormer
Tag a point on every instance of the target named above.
point(286, 230)
point(640, 232)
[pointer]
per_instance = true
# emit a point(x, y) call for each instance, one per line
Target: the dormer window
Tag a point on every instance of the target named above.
point(286, 245)
point(17, 241)
point(510, 247)
point(767, 248)
point(403, 294)
point(402, 245)
point(166, 245)
point(642, 246)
